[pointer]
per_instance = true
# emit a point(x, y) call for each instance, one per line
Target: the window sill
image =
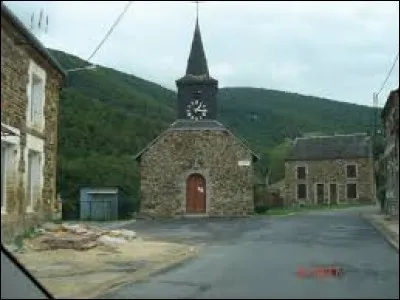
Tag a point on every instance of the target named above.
point(38, 126)
point(3, 211)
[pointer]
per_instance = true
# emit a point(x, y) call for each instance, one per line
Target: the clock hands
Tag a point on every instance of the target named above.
point(196, 110)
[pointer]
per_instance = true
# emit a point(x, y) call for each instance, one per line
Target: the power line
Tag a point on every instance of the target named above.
point(375, 96)
point(388, 75)
point(110, 30)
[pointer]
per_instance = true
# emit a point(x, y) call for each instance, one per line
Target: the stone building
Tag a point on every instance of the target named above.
point(390, 158)
point(30, 83)
point(329, 170)
point(196, 166)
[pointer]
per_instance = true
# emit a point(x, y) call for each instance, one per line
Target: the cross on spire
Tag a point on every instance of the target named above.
point(197, 9)
point(197, 62)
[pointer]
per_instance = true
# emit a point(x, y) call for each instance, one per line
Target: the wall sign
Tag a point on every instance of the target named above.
point(243, 163)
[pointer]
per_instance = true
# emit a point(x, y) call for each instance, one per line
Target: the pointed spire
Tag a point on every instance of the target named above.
point(197, 62)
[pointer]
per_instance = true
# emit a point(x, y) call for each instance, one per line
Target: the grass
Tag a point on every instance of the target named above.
point(27, 234)
point(286, 211)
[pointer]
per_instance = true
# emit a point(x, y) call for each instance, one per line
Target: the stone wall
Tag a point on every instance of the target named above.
point(166, 166)
point(16, 56)
point(391, 154)
point(327, 172)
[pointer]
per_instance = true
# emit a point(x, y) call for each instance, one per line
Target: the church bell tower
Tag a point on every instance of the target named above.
point(197, 90)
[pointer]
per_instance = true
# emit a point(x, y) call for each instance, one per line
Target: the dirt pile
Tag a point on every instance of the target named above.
point(76, 236)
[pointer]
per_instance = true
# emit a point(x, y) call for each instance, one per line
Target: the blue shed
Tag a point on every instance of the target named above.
point(99, 203)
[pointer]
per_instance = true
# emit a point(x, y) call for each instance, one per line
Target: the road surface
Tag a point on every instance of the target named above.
point(258, 258)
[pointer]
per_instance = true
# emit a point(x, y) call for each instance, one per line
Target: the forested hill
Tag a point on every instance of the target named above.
point(107, 116)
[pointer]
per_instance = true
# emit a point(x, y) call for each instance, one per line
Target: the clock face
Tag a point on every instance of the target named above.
point(196, 110)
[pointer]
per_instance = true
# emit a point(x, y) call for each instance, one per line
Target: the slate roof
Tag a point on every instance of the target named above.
point(331, 147)
point(197, 125)
point(6, 131)
point(188, 125)
point(197, 62)
point(197, 68)
point(32, 40)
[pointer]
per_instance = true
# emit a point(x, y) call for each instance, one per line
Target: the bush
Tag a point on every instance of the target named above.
point(381, 194)
point(261, 209)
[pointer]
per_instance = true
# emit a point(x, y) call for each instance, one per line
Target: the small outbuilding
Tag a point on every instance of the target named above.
point(99, 203)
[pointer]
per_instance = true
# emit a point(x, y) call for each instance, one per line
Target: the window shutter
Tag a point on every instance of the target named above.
point(37, 102)
point(32, 101)
point(36, 175)
point(3, 172)
point(37, 99)
point(40, 102)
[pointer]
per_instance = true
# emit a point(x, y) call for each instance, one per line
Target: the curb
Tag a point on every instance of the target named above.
point(387, 234)
point(117, 226)
point(174, 265)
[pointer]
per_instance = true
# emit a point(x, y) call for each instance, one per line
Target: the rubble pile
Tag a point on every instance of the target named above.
point(78, 237)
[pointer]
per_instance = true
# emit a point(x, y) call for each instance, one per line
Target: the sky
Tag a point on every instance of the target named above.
point(336, 50)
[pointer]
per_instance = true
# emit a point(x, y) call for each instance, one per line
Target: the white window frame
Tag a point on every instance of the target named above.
point(36, 71)
point(357, 193)
point(36, 144)
point(348, 165)
point(297, 169)
point(297, 192)
point(13, 142)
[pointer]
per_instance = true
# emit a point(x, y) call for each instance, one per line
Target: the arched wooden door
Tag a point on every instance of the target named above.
point(195, 194)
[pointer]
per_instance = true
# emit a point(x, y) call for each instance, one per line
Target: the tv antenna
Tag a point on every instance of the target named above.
point(40, 24)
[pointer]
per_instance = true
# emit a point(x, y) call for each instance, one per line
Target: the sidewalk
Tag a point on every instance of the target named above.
point(71, 274)
point(389, 228)
point(73, 261)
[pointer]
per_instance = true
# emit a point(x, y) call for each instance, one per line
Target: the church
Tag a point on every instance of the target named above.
point(196, 166)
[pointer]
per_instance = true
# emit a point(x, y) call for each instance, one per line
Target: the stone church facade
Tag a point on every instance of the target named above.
point(196, 166)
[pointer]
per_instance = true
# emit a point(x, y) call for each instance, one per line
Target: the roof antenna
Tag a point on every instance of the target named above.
point(41, 27)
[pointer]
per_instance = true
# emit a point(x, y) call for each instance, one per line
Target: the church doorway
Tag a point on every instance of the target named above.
point(195, 194)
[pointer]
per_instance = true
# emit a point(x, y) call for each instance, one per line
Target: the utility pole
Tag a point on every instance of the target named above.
point(375, 110)
point(374, 141)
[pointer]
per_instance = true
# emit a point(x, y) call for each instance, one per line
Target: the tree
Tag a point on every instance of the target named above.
point(277, 160)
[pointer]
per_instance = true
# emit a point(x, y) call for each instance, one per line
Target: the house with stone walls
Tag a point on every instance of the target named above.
point(334, 169)
point(31, 80)
point(390, 157)
point(196, 166)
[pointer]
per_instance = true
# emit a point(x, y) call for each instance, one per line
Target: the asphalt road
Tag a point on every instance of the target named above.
point(258, 258)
